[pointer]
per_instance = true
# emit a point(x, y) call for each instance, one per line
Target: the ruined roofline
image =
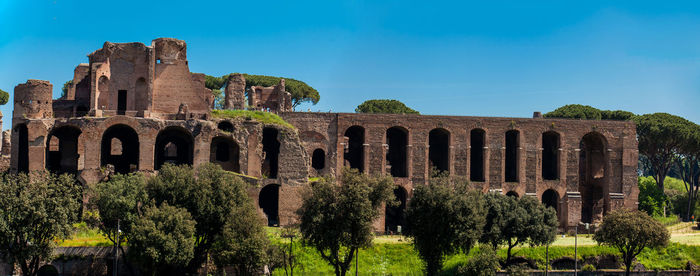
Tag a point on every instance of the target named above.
point(465, 117)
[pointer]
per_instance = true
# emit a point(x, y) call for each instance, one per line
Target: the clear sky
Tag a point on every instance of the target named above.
point(504, 58)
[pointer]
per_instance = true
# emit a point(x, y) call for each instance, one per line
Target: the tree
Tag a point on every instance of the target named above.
point(442, 218)
point(651, 199)
point(4, 97)
point(688, 166)
point(575, 111)
point(337, 219)
point(300, 91)
point(210, 195)
point(384, 106)
point(514, 222)
point(64, 89)
point(162, 239)
point(118, 201)
point(617, 115)
point(484, 263)
point(659, 137)
point(630, 232)
point(37, 210)
point(243, 243)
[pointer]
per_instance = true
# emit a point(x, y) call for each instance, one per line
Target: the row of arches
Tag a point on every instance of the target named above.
point(439, 147)
point(120, 147)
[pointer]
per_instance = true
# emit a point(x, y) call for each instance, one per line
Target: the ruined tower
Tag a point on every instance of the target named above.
point(235, 92)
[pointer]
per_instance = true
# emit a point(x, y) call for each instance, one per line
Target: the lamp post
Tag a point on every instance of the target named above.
point(290, 234)
point(587, 225)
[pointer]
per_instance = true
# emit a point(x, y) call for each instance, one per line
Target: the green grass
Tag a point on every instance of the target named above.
point(259, 116)
point(85, 236)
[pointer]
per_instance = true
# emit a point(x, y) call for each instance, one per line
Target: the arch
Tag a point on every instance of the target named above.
point(395, 215)
point(513, 194)
point(354, 150)
point(225, 126)
point(592, 177)
point(477, 162)
point(318, 159)
point(63, 157)
point(23, 147)
point(550, 155)
point(173, 145)
point(550, 198)
point(396, 156)
point(512, 164)
point(268, 201)
point(225, 152)
point(271, 151)
point(439, 149)
point(120, 148)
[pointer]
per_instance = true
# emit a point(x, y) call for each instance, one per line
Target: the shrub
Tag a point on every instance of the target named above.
point(588, 267)
point(483, 263)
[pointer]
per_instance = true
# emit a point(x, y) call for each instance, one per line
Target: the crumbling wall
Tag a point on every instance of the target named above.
point(235, 92)
point(273, 99)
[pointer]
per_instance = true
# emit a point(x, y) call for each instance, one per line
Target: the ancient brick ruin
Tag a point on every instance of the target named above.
point(135, 107)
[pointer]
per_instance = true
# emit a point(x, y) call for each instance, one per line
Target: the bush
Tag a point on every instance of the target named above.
point(588, 267)
point(651, 198)
point(482, 264)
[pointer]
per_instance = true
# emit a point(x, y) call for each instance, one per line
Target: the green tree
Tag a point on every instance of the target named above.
point(64, 89)
point(630, 232)
point(210, 195)
point(337, 219)
point(384, 106)
point(484, 263)
point(659, 137)
point(243, 243)
point(117, 201)
point(514, 222)
point(4, 97)
point(651, 199)
point(617, 115)
point(300, 91)
point(442, 218)
point(162, 240)
point(575, 111)
point(37, 210)
point(688, 166)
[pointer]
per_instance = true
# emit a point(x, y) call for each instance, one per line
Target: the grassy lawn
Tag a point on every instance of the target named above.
point(260, 116)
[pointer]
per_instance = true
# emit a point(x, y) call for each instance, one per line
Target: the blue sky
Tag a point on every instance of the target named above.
point(501, 58)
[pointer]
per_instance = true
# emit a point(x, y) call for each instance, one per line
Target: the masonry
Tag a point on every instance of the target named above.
point(135, 107)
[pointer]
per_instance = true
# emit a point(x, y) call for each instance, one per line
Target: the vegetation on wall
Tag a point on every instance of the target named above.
point(259, 116)
point(384, 106)
point(4, 97)
point(587, 112)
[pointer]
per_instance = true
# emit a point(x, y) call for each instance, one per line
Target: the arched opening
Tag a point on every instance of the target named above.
point(225, 152)
point(476, 161)
point(512, 155)
point(62, 150)
point(550, 198)
point(23, 146)
point(120, 148)
point(225, 126)
point(439, 151)
point(396, 156)
point(173, 145)
point(354, 151)
point(592, 174)
point(268, 200)
point(394, 215)
point(271, 151)
point(550, 155)
point(513, 194)
point(318, 159)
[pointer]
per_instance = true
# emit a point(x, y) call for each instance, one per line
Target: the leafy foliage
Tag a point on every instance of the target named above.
point(575, 111)
point(630, 232)
point(119, 198)
point(687, 166)
point(162, 239)
point(210, 196)
point(337, 219)
point(4, 97)
point(64, 89)
point(384, 106)
point(514, 222)
point(442, 218)
point(484, 263)
point(616, 115)
point(36, 209)
point(301, 92)
point(243, 243)
point(651, 199)
point(659, 137)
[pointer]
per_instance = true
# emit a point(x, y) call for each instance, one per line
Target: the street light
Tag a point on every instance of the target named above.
point(576, 246)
